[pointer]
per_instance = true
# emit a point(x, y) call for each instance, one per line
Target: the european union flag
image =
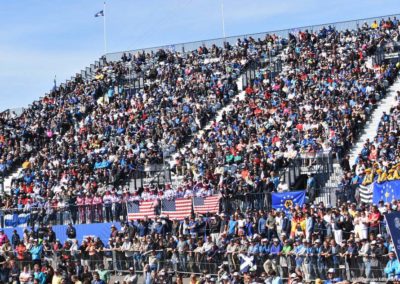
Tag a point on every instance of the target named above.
point(387, 191)
point(393, 223)
point(285, 200)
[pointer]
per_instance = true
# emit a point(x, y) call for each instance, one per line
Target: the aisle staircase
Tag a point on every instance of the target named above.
point(370, 130)
point(327, 193)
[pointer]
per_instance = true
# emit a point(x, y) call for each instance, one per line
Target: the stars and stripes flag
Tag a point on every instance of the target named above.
point(177, 209)
point(203, 205)
point(141, 209)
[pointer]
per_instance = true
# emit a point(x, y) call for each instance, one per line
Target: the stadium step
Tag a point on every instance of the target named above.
point(370, 130)
point(8, 180)
point(327, 194)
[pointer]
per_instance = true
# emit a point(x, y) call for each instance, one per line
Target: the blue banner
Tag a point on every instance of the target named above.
point(386, 191)
point(285, 200)
point(101, 230)
point(393, 223)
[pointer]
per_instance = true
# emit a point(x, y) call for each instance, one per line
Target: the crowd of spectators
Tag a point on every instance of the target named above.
point(318, 104)
point(80, 141)
point(306, 243)
point(84, 140)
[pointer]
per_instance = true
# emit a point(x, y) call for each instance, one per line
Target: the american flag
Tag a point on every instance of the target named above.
point(140, 209)
point(177, 209)
point(203, 205)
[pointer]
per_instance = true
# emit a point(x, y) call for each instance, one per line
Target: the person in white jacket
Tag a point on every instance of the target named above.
point(127, 249)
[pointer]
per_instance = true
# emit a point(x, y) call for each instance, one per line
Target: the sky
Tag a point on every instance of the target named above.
point(44, 39)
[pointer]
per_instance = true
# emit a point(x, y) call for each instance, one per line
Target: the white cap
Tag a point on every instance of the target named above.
point(331, 270)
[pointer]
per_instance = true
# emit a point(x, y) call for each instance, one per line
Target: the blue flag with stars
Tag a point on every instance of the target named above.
point(386, 191)
point(285, 200)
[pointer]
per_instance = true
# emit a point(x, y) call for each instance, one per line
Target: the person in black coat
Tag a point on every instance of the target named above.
point(71, 231)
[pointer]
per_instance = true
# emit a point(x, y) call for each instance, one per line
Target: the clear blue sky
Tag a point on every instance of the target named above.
point(43, 38)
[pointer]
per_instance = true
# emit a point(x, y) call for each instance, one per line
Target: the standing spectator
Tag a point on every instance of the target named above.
point(71, 231)
point(14, 271)
point(36, 252)
point(107, 201)
point(374, 218)
point(15, 239)
point(127, 249)
point(3, 237)
point(311, 187)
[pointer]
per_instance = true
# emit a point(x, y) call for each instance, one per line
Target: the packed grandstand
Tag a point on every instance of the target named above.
point(181, 171)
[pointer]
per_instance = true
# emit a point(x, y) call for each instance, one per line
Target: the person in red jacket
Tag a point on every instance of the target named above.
point(374, 218)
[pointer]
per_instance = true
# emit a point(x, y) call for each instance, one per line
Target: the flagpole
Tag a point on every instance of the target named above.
point(104, 28)
point(223, 19)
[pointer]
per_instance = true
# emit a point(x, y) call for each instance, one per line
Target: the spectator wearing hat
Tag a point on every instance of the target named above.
point(315, 258)
point(274, 253)
point(236, 279)
point(351, 262)
point(307, 263)
point(365, 260)
point(294, 278)
point(230, 254)
point(338, 220)
point(299, 252)
point(392, 268)
point(330, 278)
point(285, 260)
point(126, 247)
point(376, 253)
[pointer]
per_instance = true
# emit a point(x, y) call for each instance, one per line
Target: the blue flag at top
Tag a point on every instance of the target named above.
point(285, 200)
point(386, 191)
point(99, 14)
point(393, 223)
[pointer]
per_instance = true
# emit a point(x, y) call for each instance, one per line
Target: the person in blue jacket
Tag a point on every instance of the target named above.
point(392, 268)
point(36, 251)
